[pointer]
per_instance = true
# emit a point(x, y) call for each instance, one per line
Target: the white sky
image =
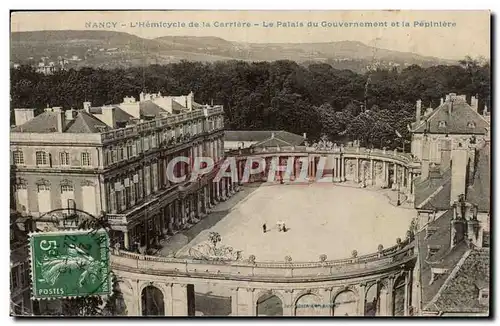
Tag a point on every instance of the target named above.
point(471, 36)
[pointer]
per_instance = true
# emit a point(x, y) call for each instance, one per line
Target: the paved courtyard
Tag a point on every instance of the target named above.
point(321, 219)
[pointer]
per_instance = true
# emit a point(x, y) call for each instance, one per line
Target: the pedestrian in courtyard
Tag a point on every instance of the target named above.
point(284, 227)
point(264, 227)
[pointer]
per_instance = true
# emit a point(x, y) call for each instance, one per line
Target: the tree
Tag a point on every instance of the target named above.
point(214, 238)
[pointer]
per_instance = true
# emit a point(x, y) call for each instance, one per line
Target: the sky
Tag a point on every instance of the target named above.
point(464, 32)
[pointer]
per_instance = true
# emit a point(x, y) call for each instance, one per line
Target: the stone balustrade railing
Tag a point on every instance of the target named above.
point(383, 259)
point(352, 150)
point(157, 123)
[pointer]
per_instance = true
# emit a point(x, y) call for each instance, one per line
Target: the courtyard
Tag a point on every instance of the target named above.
point(320, 219)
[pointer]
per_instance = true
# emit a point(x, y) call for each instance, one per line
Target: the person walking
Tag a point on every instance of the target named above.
point(284, 227)
point(264, 227)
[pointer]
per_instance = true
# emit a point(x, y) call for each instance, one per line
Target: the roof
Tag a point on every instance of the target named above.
point(445, 257)
point(479, 191)
point(42, 123)
point(457, 114)
point(460, 293)
point(86, 123)
point(262, 135)
point(433, 193)
point(148, 108)
point(120, 115)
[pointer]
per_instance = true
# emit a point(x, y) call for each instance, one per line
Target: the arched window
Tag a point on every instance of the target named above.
point(152, 301)
point(269, 305)
point(372, 301)
point(398, 301)
point(309, 305)
point(345, 304)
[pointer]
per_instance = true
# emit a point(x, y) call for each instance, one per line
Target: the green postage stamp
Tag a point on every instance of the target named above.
point(70, 264)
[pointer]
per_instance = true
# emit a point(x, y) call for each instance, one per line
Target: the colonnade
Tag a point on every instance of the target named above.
point(386, 295)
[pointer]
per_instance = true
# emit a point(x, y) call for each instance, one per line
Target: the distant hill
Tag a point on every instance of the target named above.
point(107, 49)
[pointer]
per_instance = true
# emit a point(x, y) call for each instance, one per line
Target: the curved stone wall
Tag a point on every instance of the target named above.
point(374, 284)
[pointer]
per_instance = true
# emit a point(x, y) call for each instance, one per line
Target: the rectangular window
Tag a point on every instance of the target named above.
point(22, 197)
point(153, 141)
point(139, 146)
point(120, 154)
point(86, 159)
point(44, 202)
point(42, 158)
point(64, 158)
point(113, 156)
point(18, 157)
point(146, 143)
point(129, 150)
point(132, 192)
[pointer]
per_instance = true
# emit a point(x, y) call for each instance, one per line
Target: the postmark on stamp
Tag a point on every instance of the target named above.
point(68, 264)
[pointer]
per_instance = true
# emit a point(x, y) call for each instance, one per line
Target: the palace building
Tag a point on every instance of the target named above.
point(111, 160)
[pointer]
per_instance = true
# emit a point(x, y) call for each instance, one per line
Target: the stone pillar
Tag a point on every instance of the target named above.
point(216, 197)
point(372, 176)
point(342, 169)
point(390, 296)
point(198, 204)
point(132, 297)
point(326, 296)
point(246, 303)
point(126, 241)
point(183, 211)
point(234, 301)
point(395, 177)
point(179, 300)
point(356, 171)
point(361, 299)
point(384, 173)
point(170, 230)
point(288, 306)
point(408, 282)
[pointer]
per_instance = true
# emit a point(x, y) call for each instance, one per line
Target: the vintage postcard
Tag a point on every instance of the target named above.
point(250, 163)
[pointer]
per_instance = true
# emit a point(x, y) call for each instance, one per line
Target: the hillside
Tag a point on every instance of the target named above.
point(107, 49)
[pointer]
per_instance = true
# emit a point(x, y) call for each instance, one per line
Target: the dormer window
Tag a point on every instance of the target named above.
point(471, 125)
point(484, 297)
point(442, 124)
point(432, 250)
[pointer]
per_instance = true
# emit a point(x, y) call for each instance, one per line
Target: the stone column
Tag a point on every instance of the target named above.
point(179, 300)
point(372, 177)
point(170, 230)
point(356, 171)
point(408, 279)
point(361, 299)
point(183, 211)
point(326, 296)
point(395, 177)
point(126, 240)
point(342, 169)
point(390, 295)
point(169, 307)
point(217, 192)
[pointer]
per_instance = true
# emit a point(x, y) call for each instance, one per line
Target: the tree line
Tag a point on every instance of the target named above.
point(282, 95)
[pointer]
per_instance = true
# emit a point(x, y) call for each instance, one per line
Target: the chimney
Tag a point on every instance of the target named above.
point(61, 121)
point(304, 135)
point(459, 160)
point(474, 101)
point(70, 114)
point(190, 100)
point(419, 110)
point(142, 96)
point(425, 158)
point(458, 222)
point(23, 115)
point(86, 106)
point(442, 101)
point(445, 154)
point(272, 135)
point(108, 116)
